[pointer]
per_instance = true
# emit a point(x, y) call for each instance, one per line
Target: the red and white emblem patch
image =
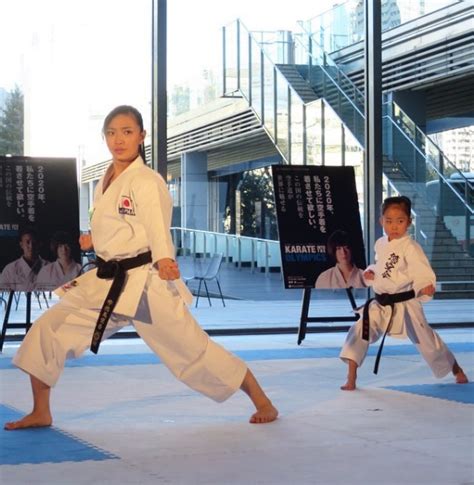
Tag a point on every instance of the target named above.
point(126, 206)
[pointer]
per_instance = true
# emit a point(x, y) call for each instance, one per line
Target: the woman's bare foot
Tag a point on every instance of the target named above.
point(459, 375)
point(33, 420)
point(266, 411)
point(264, 414)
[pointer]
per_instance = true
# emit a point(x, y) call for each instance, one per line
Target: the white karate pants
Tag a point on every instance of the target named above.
point(162, 320)
point(427, 341)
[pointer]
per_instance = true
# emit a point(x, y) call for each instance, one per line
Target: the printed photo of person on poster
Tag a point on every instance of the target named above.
point(64, 268)
point(38, 198)
point(22, 273)
point(344, 273)
point(319, 226)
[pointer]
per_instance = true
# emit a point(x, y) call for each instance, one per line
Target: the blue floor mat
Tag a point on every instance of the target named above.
point(463, 393)
point(43, 445)
point(90, 360)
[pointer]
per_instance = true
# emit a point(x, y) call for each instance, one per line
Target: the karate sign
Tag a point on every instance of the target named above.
point(39, 211)
point(318, 220)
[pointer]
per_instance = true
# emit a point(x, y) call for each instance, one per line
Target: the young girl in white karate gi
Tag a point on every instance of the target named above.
point(401, 270)
point(130, 222)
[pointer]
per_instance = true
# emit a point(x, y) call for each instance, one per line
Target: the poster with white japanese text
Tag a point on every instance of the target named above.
point(319, 227)
point(39, 223)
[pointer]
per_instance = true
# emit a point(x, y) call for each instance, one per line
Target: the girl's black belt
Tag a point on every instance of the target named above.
point(384, 299)
point(115, 269)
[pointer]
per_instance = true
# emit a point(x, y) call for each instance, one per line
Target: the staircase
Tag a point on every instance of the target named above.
point(408, 153)
point(453, 266)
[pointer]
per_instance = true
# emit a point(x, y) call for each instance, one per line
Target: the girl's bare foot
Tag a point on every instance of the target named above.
point(350, 385)
point(461, 378)
point(264, 414)
point(459, 375)
point(33, 420)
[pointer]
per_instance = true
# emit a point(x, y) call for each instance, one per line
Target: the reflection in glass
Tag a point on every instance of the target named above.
point(269, 96)
point(332, 137)
point(256, 79)
point(282, 114)
point(297, 130)
point(313, 133)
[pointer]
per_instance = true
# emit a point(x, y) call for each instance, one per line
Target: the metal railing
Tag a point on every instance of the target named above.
point(343, 25)
point(241, 250)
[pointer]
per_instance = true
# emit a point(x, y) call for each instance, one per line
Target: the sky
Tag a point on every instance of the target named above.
point(77, 60)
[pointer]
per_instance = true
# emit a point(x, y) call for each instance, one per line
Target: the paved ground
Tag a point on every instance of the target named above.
point(121, 418)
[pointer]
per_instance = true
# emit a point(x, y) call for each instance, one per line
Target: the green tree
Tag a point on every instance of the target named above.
point(11, 124)
point(180, 100)
point(257, 205)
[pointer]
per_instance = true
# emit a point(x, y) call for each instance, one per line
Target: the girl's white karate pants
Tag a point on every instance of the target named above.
point(162, 320)
point(427, 341)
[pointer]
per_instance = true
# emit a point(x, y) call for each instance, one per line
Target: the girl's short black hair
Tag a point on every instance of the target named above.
point(60, 237)
point(338, 238)
point(402, 201)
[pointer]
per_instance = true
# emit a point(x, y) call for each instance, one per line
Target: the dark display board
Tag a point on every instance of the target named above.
point(39, 221)
point(318, 220)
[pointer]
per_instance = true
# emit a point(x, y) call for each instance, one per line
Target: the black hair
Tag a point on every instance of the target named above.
point(60, 237)
point(338, 238)
point(27, 230)
point(402, 201)
point(125, 109)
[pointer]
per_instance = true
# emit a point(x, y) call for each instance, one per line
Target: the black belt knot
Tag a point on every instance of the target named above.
point(107, 270)
point(384, 299)
point(115, 269)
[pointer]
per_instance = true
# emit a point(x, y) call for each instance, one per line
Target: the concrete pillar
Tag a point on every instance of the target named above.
point(194, 191)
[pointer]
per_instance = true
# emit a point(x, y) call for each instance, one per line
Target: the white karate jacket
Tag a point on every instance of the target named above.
point(19, 276)
point(401, 265)
point(52, 275)
point(133, 216)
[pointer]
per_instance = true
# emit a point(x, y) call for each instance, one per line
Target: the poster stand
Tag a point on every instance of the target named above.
point(305, 310)
point(7, 324)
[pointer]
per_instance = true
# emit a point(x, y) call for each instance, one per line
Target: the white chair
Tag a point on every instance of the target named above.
point(204, 273)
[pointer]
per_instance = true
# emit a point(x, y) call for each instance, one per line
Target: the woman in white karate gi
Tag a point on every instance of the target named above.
point(402, 271)
point(64, 268)
point(131, 222)
point(344, 274)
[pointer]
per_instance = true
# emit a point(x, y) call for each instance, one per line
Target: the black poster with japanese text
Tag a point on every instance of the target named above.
point(319, 226)
point(39, 222)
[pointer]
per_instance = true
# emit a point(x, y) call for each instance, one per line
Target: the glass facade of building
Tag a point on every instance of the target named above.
point(234, 110)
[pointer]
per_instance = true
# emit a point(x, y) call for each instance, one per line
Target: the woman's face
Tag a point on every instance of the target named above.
point(64, 251)
point(343, 254)
point(123, 138)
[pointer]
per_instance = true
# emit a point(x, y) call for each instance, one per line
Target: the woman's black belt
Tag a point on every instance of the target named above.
point(384, 299)
point(116, 270)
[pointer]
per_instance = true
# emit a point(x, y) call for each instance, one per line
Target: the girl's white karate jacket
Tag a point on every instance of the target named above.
point(53, 275)
point(401, 265)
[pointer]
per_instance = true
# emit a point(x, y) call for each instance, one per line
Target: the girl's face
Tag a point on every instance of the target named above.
point(395, 222)
point(123, 138)
point(343, 254)
point(64, 251)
